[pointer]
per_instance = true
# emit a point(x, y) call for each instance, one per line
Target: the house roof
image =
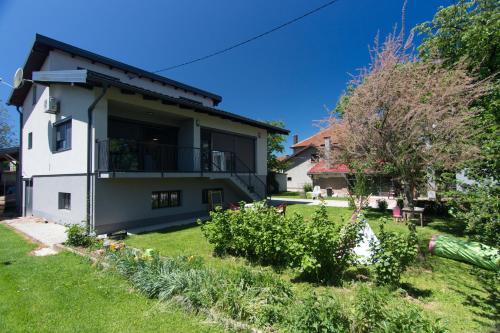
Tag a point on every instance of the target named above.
point(318, 139)
point(86, 77)
point(321, 167)
point(43, 45)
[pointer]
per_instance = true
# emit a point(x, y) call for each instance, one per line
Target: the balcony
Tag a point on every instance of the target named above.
point(120, 155)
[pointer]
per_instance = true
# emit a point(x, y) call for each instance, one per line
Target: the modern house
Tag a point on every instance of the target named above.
point(312, 162)
point(117, 147)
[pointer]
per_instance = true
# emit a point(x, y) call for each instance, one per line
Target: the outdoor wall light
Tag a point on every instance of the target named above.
point(197, 122)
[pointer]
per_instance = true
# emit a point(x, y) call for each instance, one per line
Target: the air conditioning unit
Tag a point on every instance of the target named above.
point(51, 105)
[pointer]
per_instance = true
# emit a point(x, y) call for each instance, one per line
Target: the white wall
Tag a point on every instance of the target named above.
point(299, 165)
point(42, 159)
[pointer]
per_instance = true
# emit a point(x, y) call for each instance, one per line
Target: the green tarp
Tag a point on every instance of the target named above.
point(470, 252)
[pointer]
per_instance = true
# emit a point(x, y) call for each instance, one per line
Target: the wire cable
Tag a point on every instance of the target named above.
point(251, 39)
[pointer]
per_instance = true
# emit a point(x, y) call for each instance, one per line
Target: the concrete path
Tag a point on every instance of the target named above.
point(291, 201)
point(47, 233)
point(330, 203)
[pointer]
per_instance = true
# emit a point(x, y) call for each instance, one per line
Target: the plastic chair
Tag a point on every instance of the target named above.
point(316, 192)
point(396, 213)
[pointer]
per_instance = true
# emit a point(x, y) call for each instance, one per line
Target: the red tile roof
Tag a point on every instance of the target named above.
point(318, 139)
point(321, 167)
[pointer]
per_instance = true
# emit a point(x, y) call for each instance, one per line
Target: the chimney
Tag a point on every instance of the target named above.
point(328, 152)
point(295, 139)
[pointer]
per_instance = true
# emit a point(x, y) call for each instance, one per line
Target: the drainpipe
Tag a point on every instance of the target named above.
point(89, 152)
point(19, 170)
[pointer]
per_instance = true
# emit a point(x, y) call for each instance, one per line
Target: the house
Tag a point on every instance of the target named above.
point(313, 162)
point(9, 158)
point(117, 147)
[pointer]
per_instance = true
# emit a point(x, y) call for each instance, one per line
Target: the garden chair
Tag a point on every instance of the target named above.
point(396, 214)
point(316, 192)
point(233, 206)
point(281, 209)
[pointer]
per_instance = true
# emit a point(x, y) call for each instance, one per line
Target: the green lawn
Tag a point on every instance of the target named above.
point(461, 295)
point(64, 293)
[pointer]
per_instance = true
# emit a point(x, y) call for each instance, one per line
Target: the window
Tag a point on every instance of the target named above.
point(289, 179)
point(164, 199)
point(64, 200)
point(34, 97)
point(205, 194)
point(30, 140)
point(314, 157)
point(63, 135)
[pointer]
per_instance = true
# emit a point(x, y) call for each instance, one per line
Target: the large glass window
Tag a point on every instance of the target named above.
point(63, 135)
point(223, 151)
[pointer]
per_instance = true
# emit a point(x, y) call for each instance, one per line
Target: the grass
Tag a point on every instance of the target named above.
point(465, 298)
point(64, 293)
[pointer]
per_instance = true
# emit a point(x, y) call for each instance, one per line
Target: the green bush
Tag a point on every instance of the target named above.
point(327, 248)
point(382, 205)
point(307, 187)
point(368, 310)
point(77, 236)
point(258, 233)
point(393, 253)
point(321, 250)
point(320, 314)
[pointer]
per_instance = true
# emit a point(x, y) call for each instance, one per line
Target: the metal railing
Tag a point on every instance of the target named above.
point(120, 155)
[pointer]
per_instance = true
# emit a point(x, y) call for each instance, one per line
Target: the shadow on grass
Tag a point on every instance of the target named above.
point(485, 302)
point(416, 292)
point(173, 228)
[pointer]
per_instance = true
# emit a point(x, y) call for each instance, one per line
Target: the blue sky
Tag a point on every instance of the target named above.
point(290, 75)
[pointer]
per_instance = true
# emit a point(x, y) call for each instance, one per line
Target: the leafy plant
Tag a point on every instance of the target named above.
point(259, 233)
point(77, 236)
point(392, 254)
point(327, 247)
point(382, 205)
point(307, 187)
point(321, 314)
point(368, 309)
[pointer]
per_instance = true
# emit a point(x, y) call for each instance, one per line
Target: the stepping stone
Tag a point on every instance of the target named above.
point(44, 251)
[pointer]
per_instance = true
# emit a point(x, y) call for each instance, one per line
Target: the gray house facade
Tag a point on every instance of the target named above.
point(115, 147)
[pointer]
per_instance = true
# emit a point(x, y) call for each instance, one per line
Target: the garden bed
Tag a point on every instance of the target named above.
point(462, 296)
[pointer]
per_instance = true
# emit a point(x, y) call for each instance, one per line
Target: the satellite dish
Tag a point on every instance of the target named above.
point(18, 78)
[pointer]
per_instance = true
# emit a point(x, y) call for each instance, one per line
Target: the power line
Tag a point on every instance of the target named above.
point(249, 39)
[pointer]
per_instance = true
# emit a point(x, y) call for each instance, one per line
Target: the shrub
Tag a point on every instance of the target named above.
point(393, 253)
point(368, 310)
point(382, 205)
point(77, 236)
point(321, 250)
point(258, 233)
point(408, 318)
point(327, 247)
point(321, 314)
point(307, 187)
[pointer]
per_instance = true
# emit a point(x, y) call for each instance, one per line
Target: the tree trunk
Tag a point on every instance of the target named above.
point(408, 195)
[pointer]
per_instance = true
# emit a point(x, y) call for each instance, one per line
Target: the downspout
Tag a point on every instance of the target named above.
point(89, 152)
point(19, 170)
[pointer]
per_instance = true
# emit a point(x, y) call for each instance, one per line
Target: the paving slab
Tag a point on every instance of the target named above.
point(47, 233)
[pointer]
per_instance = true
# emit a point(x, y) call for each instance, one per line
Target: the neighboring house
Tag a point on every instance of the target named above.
point(313, 162)
point(8, 175)
point(121, 147)
point(306, 164)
